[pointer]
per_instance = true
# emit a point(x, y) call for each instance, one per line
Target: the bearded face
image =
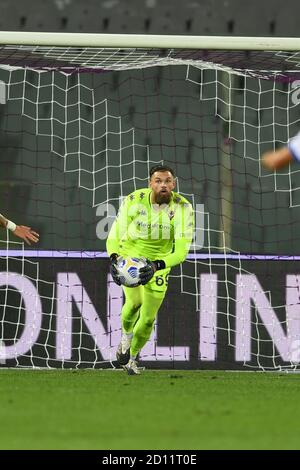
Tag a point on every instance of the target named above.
point(162, 184)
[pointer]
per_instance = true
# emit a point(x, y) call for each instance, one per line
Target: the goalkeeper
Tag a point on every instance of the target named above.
point(273, 160)
point(158, 224)
point(21, 231)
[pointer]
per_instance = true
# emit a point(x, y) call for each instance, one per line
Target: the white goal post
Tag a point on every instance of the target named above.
point(149, 41)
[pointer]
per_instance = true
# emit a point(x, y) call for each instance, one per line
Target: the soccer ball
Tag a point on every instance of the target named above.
point(128, 270)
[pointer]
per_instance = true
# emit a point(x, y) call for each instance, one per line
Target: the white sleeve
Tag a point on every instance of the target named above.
point(294, 147)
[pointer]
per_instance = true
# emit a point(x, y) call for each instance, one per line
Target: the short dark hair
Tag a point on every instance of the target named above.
point(161, 168)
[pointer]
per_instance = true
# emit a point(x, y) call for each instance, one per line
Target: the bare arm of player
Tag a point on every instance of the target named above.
point(277, 159)
point(3, 221)
point(20, 231)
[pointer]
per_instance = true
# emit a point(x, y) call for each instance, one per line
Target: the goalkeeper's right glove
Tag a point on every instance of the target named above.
point(113, 268)
point(148, 271)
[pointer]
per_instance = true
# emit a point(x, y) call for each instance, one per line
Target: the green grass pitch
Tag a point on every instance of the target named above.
point(158, 410)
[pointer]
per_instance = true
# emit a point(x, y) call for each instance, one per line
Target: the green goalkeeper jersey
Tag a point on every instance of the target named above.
point(144, 229)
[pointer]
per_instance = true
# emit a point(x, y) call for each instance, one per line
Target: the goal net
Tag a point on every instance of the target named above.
point(80, 128)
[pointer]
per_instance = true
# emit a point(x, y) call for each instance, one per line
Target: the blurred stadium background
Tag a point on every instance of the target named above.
point(19, 194)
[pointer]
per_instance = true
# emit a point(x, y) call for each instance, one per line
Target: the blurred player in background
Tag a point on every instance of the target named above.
point(158, 224)
point(273, 160)
point(21, 231)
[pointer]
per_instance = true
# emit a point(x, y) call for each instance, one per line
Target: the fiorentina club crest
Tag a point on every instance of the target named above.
point(171, 215)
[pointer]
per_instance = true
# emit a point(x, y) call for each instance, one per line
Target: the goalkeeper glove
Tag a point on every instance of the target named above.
point(147, 272)
point(113, 268)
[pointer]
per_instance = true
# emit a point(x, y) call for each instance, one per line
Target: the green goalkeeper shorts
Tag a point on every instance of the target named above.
point(159, 281)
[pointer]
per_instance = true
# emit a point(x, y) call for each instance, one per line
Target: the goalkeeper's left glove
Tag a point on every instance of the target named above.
point(148, 271)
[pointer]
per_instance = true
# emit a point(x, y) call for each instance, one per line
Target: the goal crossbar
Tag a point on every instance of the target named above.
point(149, 41)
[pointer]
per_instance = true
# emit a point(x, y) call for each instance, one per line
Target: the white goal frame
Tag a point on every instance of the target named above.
point(30, 40)
point(149, 41)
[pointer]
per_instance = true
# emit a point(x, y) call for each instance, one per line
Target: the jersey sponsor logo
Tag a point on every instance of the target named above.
point(154, 225)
